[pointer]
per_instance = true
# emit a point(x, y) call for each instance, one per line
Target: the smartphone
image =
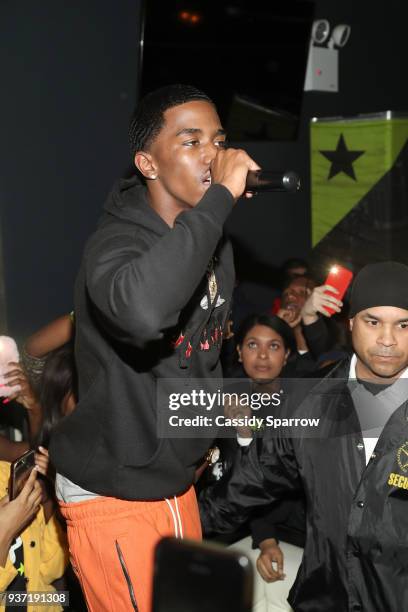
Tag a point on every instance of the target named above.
point(8, 353)
point(20, 470)
point(201, 577)
point(339, 278)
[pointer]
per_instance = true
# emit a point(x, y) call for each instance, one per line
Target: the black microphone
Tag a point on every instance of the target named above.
point(259, 181)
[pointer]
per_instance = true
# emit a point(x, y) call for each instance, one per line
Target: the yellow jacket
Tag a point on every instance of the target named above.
point(45, 553)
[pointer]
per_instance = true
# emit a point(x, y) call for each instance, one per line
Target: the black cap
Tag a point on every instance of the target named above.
point(380, 284)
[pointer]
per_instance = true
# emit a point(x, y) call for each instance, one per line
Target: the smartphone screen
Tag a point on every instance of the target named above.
point(201, 577)
point(339, 278)
point(20, 470)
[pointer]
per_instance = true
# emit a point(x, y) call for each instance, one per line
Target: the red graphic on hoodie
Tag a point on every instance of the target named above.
point(189, 350)
point(179, 340)
point(204, 346)
point(211, 337)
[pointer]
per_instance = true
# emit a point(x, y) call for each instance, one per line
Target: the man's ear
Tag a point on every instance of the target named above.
point(145, 165)
point(351, 322)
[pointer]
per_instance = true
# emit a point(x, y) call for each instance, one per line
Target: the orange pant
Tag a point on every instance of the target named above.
point(112, 543)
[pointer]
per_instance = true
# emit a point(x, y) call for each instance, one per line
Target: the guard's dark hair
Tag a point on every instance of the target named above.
point(148, 117)
point(271, 321)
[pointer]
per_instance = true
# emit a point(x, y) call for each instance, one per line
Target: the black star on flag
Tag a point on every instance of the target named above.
point(342, 159)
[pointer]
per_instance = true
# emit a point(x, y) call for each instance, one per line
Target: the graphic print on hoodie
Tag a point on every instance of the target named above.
point(143, 313)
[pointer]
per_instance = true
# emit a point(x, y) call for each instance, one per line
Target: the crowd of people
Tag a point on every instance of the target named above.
point(321, 512)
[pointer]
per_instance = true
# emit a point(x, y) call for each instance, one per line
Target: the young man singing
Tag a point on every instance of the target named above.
point(151, 300)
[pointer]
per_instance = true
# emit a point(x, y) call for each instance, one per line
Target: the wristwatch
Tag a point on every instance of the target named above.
point(212, 455)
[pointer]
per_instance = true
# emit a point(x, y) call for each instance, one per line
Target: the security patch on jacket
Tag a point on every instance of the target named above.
point(402, 457)
point(400, 481)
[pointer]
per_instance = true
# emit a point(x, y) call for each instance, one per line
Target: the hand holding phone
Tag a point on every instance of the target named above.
point(16, 514)
point(20, 471)
point(338, 278)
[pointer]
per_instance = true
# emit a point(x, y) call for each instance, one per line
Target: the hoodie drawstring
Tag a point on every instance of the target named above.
point(179, 517)
point(178, 527)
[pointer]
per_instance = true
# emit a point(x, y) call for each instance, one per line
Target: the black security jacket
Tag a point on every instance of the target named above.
point(140, 317)
point(356, 552)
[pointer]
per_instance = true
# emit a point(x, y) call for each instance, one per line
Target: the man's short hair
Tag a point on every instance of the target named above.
point(308, 278)
point(148, 117)
point(294, 262)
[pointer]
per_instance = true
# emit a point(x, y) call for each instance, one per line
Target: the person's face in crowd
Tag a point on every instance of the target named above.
point(262, 353)
point(380, 341)
point(296, 294)
point(181, 154)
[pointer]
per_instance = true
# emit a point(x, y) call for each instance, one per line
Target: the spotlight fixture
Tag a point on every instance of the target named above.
point(340, 36)
point(322, 73)
point(320, 31)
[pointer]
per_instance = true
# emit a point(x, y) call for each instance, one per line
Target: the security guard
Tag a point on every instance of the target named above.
point(353, 469)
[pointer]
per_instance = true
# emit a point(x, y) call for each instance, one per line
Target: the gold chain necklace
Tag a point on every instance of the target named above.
point(212, 281)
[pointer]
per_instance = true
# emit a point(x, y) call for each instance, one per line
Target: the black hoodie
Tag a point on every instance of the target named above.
point(141, 312)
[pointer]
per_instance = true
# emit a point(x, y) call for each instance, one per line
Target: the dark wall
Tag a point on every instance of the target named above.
point(371, 64)
point(371, 77)
point(69, 73)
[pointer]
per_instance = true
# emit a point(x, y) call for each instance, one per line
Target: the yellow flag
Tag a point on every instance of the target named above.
point(348, 157)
